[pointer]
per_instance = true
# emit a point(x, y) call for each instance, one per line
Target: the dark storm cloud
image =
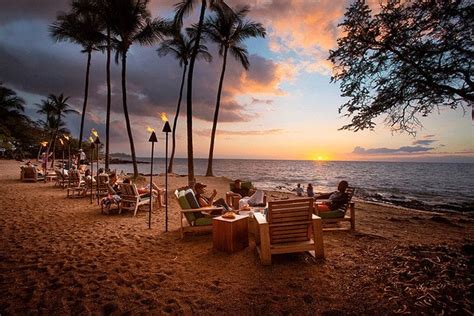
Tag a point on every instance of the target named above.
point(27, 9)
point(32, 62)
point(380, 151)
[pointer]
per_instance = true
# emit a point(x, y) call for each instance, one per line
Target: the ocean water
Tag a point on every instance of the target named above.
point(427, 186)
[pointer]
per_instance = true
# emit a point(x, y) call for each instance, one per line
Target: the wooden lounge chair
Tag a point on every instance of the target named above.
point(131, 199)
point(290, 226)
point(333, 217)
point(195, 219)
point(102, 186)
point(30, 174)
point(75, 179)
point(61, 179)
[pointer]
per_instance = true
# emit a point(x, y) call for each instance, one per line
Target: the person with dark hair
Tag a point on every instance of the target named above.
point(334, 199)
point(203, 201)
point(309, 190)
point(299, 190)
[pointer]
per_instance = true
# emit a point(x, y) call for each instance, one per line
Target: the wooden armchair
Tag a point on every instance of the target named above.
point(195, 219)
point(131, 199)
point(339, 215)
point(31, 174)
point(290, 226)
point(102, 186)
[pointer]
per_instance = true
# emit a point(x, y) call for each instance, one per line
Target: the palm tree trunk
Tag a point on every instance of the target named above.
point(125, 111)
point(54, 152)
point(175, 123)
point(86, 92)
point(189, 110)
point(216, 116)
point(109, 97)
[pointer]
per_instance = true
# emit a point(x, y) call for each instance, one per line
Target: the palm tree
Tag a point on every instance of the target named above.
point(180, 46)
point(12, 108)
point(55, 108)
point(132, 23)
point(229, 30)
point(104, 9)
point(184, 8)
point(83, 27)
point(11, 105)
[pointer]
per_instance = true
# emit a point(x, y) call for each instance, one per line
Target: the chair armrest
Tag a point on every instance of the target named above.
point(203, 209)
point(322, 201)
point(260, 218)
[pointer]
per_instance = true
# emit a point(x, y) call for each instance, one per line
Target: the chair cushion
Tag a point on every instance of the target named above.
point(191, 198)
point(203, 221)
point(246, 185)
point(332, 214)
point(183, 202)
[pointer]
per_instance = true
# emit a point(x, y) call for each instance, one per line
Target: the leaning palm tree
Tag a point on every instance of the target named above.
point(180, 46)
point(83, 27)
point(229, 30)
point(184, 8)
point(132, 23)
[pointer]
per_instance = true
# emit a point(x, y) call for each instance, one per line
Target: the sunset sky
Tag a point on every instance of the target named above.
point(284, 107)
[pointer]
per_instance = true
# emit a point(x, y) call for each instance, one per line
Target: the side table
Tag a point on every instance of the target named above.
point(230, 235)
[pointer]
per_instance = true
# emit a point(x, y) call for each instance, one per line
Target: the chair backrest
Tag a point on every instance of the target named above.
point(59, 174)
point(102, 180)
point(129, 189)
point(29, 172)
point(245, 185)
point(289, 220)
point(350, 193)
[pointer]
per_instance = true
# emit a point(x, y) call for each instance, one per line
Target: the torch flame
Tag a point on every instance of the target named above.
point(94, 132)
point(150, 129)
point(61, 141)
point(163, 116)
point(44, 144)
point(91, 139)
point(66, 137)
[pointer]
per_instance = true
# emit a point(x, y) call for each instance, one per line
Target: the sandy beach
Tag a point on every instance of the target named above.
point(62, 256)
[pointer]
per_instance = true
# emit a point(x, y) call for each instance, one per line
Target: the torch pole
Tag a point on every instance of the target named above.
point(166, 129)
point(92, 169)
point(63, 156)
point(151, 184)
point(68, 156)
point(166, 184)
point(97, 181)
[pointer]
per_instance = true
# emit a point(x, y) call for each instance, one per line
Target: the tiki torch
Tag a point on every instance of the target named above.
point(66, 137)
point(97, 149)
point(166, 129)
point(92, 163)
point(62, 149)
point(152, 140)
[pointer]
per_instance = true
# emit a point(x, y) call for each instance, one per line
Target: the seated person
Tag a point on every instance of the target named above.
point(146, 190)
point(333, 201)
point(113, 181)
point(238, 190)
point(199, 189)
point(257, 199)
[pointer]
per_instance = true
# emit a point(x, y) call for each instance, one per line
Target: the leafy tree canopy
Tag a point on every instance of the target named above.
point(407, 60)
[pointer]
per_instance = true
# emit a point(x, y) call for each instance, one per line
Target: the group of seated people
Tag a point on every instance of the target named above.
point(329, 205)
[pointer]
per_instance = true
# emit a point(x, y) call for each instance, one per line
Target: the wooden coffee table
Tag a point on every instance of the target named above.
point(230, 235)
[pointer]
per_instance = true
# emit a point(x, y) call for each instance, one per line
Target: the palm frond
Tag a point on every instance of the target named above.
point(182, 9)
point(240, 53)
